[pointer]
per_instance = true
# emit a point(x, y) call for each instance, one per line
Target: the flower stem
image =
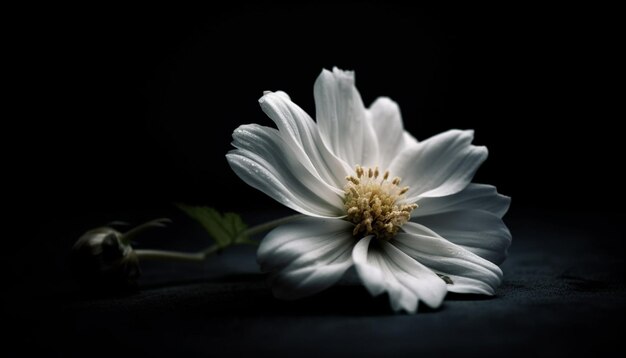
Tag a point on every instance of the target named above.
point(200, 256)
point(163, 255)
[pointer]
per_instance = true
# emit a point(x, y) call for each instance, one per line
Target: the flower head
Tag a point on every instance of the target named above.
point(404, 213)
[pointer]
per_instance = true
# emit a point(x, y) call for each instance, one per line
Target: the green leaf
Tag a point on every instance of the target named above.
point(227, 229)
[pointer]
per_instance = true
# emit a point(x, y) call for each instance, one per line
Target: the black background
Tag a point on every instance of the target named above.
point(117, 113)
point(128, 109)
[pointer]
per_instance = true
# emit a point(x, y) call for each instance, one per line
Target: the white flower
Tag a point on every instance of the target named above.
point(415, 238)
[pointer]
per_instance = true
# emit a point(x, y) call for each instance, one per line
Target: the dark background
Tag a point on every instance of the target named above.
point(133, 108)
point(121, 112)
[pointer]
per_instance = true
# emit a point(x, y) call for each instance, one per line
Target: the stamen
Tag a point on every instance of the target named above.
point(353, 180)
point(389, 227)
point(373, 206)
point(359, 171)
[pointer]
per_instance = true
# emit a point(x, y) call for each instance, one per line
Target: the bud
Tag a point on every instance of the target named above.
point(103, 259)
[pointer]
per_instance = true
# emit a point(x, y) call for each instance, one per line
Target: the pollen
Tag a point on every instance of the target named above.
point(374, 203)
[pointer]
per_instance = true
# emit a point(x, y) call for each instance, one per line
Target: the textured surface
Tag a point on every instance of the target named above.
point(562, 294)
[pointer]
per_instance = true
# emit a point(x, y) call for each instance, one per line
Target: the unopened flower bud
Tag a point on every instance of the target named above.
point(103, 259)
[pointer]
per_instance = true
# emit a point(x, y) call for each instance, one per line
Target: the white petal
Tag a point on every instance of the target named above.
point(282, 186)
point(441, 165)
point(341, 118)
point(480, 232)
point(301, 134)
point(384, 268)
point(267, 144)
point(469, 272)
point(306, 256)
point(386, 120)
point(474, 197)
point(409, 140)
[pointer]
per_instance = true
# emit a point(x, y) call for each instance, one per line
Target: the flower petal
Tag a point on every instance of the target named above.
point(301, 134)
point(281, 185)
point(341, 118)
point(441, 165)
point(386, 120)
point(474, 197)
point(478, 231)
point(384, 268)
point(469, 272)
point(306, 256)
point(267, 144)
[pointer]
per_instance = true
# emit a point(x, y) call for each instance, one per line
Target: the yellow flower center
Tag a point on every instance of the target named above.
point(371, 202)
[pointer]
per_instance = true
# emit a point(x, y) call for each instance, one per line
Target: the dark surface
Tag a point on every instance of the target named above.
point(563, 293)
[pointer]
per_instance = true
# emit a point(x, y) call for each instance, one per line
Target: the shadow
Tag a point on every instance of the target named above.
point(468, 297)
point(241, 295)
point(232, 278)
